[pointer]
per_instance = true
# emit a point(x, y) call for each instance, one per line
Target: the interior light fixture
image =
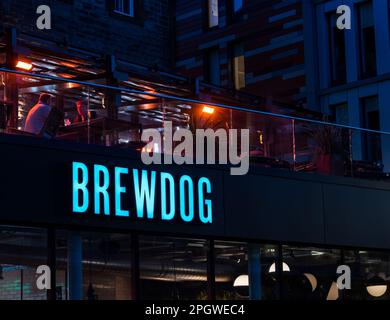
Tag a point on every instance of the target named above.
point(312, 279)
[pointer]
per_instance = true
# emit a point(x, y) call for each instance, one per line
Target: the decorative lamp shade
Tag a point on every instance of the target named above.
point(376, 287)
point(272, 268)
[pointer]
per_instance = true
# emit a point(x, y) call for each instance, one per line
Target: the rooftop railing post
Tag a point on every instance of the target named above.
point(11, 88)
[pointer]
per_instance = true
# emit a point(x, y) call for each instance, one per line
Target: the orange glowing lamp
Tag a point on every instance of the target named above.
point(208, 110)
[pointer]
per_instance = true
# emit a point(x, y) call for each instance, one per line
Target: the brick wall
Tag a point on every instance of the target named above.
point(272, 35)
point(92, 26)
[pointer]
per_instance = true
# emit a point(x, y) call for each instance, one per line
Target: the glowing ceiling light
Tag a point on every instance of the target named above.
point(208, 110)
point(24, 65)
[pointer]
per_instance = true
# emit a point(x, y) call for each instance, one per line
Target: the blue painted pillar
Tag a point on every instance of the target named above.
point(75, 266)
point(254, 270)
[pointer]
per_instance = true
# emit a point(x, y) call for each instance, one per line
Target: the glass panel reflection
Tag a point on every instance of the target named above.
point(173, 268)
point(370, 275)
point(22, 250)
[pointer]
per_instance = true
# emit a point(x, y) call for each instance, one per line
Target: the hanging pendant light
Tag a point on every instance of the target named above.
point(376, 287)
point(241, 281)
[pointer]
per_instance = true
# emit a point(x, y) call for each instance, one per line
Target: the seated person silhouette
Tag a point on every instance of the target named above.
point(82, 112)
point(38, 115)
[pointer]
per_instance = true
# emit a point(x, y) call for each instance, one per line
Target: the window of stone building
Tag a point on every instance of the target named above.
point(245, 271)
point(370, 119)
point(125, 7)
point(367, 40)
point(337, 57)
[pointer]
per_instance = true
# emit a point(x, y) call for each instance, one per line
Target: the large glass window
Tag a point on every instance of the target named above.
point(93, 266)
point(245, 271)
point(338, 66)
point(21, 252)
point(239, 66)
point(310, 273)
point(125, 7)
point(173, 268)
point(367, 39)
point(370, 273)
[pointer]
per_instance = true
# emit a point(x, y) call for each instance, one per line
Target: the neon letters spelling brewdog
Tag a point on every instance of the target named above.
point(180, 199)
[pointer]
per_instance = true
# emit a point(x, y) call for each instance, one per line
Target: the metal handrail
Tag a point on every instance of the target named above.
point(190, 100)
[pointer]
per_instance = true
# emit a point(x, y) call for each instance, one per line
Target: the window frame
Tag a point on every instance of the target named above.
point(137, 18)
point(207, 74)
point(131, 8)
point(362, 54)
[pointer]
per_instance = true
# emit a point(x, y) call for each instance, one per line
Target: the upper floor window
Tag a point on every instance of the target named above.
point(337, 57)
point(370, 119)
point(239, 66)
point(339, 113)
point(212, 67)
point(213, 14)
point(367, 44)
point(125, 7)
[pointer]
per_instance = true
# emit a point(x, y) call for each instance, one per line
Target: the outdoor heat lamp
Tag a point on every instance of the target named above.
point(24, 65)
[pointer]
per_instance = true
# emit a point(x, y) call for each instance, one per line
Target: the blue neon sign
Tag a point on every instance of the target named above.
point(140, 194)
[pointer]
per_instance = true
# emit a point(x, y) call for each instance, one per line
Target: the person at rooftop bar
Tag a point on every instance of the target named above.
point(38, 114)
